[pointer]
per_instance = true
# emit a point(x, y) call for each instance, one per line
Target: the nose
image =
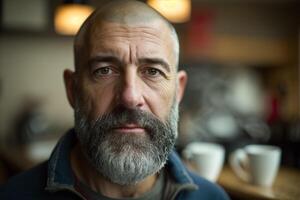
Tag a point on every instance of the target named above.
point(131, 90)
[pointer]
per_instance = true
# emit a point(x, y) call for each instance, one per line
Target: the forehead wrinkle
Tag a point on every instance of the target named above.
point(127, 31)
point(104, 38)
point(134, 54)
point(126, 38)
point(106, 42)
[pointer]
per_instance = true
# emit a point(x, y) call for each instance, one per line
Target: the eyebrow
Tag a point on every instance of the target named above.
point(110, 59)
point(117, 61)
point(159, 61)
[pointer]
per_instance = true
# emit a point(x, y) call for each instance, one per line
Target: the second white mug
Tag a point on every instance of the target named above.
point(256, 164)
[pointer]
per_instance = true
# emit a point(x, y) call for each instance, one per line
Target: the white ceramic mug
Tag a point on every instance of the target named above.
point(207, 158)
point(256, 164)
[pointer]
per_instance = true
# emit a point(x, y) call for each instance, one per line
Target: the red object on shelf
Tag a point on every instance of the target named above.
point(200, 30)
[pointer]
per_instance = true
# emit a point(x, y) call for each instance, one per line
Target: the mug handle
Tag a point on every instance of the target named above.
point(238, 160)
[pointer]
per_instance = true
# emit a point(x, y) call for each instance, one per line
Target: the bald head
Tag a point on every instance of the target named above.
point(125, 12)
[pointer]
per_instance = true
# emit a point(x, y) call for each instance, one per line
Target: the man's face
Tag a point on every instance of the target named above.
point(129, 65)
point(126, 108)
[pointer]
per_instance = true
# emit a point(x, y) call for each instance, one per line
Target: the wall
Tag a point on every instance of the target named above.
point(31, 67)
point(244, 32)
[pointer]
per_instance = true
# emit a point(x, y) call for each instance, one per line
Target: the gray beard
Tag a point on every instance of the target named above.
point(126, 159)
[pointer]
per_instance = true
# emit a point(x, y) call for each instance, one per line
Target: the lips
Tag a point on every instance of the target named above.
point(130, 128)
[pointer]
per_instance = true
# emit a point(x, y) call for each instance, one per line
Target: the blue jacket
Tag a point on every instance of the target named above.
point(54, 179)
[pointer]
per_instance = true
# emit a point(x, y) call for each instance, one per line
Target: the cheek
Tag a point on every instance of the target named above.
point(160, 99)
point(97, 99)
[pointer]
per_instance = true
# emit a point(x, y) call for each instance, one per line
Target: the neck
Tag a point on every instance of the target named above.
point(98, 183)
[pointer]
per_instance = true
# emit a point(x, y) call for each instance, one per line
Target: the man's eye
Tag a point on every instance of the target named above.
point(103, 71)
point(153, 72)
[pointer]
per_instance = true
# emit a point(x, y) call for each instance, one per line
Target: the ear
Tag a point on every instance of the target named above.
point(69, 79)
point(181, 83)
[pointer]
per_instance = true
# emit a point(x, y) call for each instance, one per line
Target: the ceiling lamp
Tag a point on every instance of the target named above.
point(70, 16)
point(176, 11)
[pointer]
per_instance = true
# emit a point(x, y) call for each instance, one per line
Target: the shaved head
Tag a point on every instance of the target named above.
point(125, 12)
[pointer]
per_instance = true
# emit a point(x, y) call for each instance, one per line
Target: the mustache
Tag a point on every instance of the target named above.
point(122, 115)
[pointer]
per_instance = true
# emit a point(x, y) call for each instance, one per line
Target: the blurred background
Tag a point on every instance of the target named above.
point(242, 57)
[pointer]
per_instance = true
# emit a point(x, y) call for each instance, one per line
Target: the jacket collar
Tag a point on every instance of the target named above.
point(60, 174)
point(178, 170)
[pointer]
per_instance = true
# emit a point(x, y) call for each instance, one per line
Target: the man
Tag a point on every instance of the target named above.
point(125, 93)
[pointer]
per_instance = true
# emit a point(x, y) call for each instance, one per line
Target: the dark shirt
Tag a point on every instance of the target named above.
point(156, 192)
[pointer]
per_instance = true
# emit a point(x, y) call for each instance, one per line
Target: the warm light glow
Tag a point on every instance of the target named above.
point(174, 10)
point(69, 18)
